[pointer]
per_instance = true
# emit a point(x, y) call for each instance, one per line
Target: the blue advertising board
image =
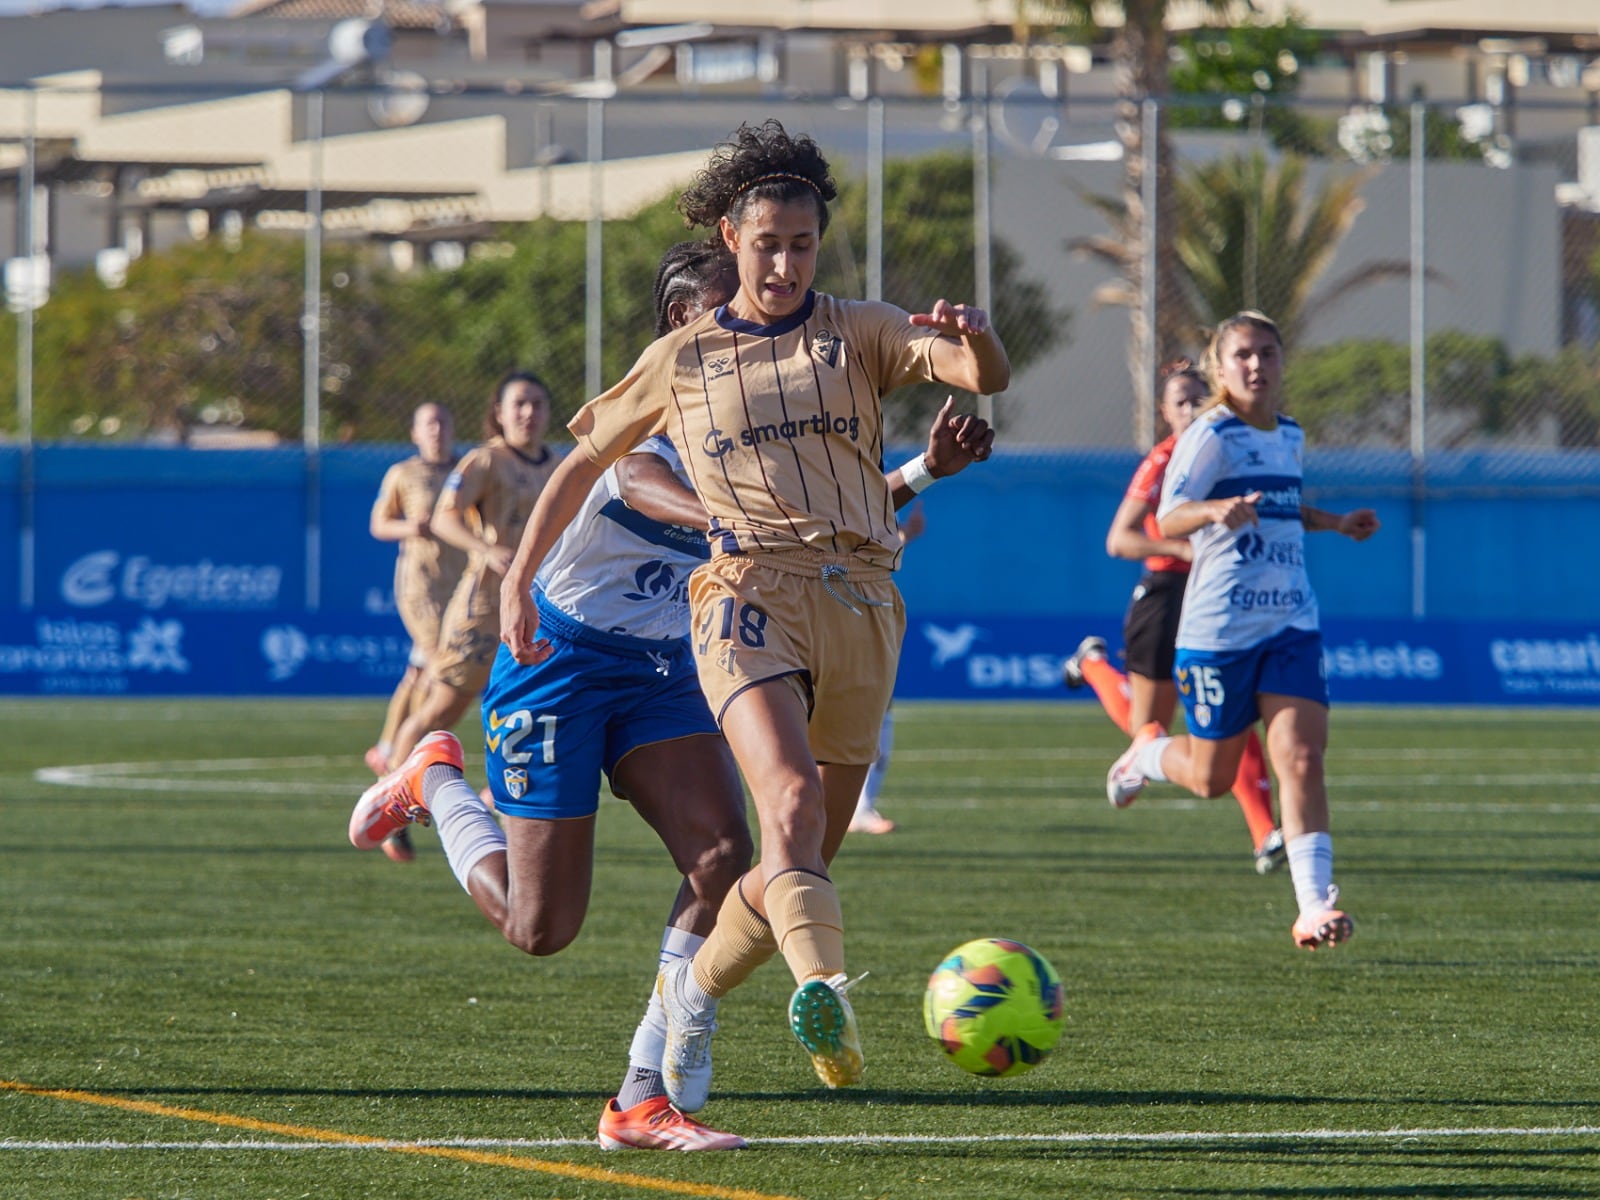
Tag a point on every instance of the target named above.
point(167, 571)
point(960, 657)
point(134, 651)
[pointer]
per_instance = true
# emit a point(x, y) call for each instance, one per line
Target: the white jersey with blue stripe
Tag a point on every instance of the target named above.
point(620, 572)
point(1250, 583)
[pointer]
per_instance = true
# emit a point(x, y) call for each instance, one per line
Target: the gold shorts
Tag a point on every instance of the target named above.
point(469, 633)
point(773, 616)
point(421, 601)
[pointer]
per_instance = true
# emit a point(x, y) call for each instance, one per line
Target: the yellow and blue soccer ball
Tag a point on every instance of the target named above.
point(995, 1007)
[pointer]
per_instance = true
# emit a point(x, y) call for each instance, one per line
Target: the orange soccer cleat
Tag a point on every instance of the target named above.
point(396, 800)
point(655, 1125)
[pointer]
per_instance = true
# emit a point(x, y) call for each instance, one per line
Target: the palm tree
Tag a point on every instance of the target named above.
point(1248, 236)
point(1139, 52)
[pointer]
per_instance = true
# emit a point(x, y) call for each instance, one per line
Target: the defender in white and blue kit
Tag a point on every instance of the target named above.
point(613, 600)
point(1249, 647)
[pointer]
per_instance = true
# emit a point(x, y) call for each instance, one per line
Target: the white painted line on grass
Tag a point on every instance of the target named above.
point(1178, 1136)
point(143, 777)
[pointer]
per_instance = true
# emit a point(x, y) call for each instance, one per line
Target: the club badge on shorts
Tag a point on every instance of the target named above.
point(516, 781)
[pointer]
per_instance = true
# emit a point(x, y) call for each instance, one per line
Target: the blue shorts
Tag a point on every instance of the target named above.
point(550, 730)
point(1219, 687)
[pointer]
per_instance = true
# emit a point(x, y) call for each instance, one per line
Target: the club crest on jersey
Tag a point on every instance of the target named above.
point(516, 781)
point(825, 347)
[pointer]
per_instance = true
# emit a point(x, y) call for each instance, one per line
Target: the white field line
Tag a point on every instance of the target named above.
point(169, 776)
point(1451, 754)
point(1171, 1137)
point(163, 776)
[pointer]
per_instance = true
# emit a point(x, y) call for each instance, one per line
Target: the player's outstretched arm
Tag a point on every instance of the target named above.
point(969, 353)
point(558, 503)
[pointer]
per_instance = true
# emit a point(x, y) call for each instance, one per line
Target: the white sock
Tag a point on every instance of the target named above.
point(467, 829)
point(1311, 869)
point(650, 1038)
point(873, 787)
point(1149, 759)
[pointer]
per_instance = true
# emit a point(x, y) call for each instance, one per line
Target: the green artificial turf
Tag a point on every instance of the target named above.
point(225, 995)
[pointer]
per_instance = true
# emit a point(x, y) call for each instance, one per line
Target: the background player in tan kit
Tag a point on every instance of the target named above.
point(481, 510)
point(773, 401)
point(426, 570)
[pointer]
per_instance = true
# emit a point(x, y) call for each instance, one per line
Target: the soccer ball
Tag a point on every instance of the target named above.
point(995, 1007)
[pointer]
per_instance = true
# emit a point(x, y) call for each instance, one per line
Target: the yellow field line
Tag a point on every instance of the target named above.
point(310, 1133)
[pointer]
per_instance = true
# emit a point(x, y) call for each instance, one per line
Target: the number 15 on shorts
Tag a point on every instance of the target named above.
point(1204, 685)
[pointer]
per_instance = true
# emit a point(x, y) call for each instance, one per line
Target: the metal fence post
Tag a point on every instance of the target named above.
point(982, 218)
point(311, 378)
point(26, 486)
point(1144, 414)
point(1419, 363)
point(875, 199)
point(594, 269)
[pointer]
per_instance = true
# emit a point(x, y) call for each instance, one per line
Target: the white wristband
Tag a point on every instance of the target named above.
point(915, 474)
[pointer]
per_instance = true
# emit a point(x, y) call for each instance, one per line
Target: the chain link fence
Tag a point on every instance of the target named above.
point(279, 272)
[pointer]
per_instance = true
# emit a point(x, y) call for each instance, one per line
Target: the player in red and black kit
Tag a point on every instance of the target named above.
point(1146, 693)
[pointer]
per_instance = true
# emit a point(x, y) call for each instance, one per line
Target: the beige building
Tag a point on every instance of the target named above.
point(149, 125)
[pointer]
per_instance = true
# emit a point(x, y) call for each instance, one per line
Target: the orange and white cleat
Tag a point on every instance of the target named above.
point(655, 1125)
point(1323, 927)
point(377, 760)
point(396, 800)
point(1125, 781)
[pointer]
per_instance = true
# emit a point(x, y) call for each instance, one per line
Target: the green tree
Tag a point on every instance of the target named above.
point(1251, 235)
point(202, 333)
point(1358, 392)
point(1139, 51)
point(205, 331)
point(928, 254)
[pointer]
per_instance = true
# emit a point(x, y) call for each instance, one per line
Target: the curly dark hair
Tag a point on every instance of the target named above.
point(761, 162)
point(688, 272)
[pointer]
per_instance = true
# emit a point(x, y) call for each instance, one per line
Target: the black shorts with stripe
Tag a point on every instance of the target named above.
point(1150, 629)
